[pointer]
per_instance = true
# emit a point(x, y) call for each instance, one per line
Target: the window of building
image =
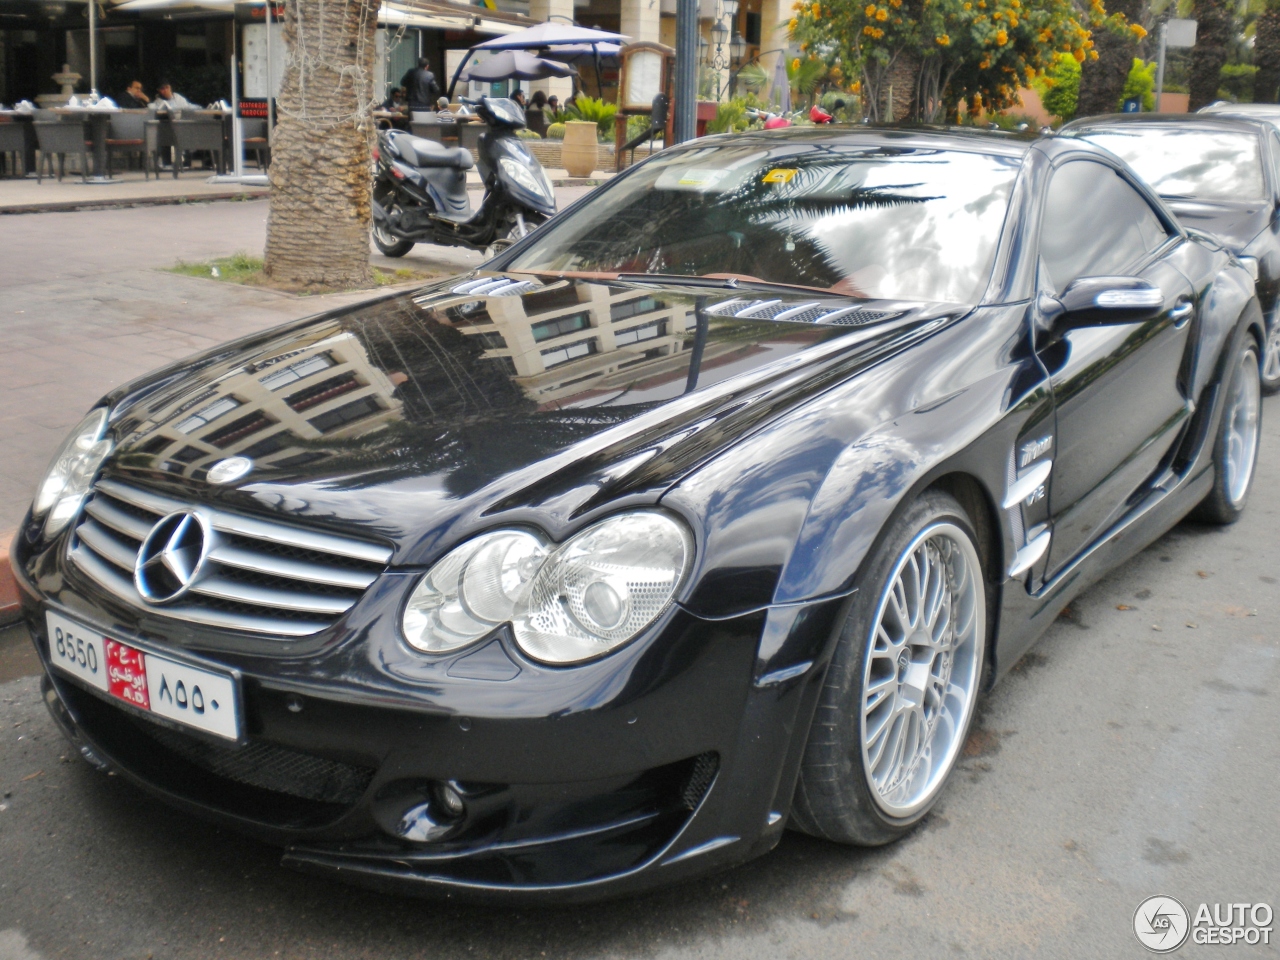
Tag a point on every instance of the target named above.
point(644, 332)
point(279, 379)
point(351, 412)
point(558, 327)
point(323, 391)
point(221, 406)
point(630, 308)
point(572, 351)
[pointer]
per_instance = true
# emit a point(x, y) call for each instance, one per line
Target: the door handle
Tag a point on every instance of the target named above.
point(1181, 313)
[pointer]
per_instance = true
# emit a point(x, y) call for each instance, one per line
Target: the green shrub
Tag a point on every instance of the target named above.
point(1059, 89)
point(555, 131)
point(731, 116)
point(1237, 82)
point(1141, 82)
point(593, 110)
point(527, 134)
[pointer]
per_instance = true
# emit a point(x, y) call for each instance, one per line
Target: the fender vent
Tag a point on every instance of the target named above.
point(495, 287)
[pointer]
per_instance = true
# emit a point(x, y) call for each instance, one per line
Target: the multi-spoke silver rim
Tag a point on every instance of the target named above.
point(922, 669)
point(1242, 427)
point(1271, 355)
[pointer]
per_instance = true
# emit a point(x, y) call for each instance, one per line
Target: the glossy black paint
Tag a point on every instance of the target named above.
point(787, 447)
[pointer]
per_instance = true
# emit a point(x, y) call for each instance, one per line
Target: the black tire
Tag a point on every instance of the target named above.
point(1225, 503)
point(835, 796)
point(387, 243)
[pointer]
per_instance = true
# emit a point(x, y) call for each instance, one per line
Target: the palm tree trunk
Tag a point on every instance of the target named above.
point(1266, 54)
point(1102, 80)
point(318, 228)
point(1214, 30)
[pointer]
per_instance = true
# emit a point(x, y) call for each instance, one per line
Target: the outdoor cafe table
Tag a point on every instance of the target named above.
point(100, 121)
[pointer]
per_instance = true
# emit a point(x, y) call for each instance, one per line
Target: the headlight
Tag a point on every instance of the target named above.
point(521, 174)
point(70, 474)
point(565, 604)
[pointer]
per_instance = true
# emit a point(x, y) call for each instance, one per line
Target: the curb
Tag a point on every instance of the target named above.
point(69, 206)
point(9, 609)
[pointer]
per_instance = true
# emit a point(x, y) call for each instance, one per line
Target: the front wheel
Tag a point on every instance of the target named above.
point(903, 682)
point(1235, 448)
point(384, 195)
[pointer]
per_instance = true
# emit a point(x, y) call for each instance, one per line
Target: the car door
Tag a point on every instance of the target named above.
point(1117, 392)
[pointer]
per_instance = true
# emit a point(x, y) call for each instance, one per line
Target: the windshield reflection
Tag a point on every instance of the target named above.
point(895, 223)
point(1204, 164)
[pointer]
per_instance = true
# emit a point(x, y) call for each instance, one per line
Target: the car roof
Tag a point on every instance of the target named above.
point(1211, 121)
point(995, 142)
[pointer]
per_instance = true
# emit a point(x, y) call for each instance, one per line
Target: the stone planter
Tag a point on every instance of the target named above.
point(580, 150)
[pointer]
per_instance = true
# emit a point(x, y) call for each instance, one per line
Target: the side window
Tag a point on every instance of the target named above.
point(1094, 224)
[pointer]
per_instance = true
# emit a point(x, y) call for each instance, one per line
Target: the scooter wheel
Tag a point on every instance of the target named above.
point(389, 244)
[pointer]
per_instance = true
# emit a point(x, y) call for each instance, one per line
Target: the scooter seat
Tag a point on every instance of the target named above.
point(428, 153)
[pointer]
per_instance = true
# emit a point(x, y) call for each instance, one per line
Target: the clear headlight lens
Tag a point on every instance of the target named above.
point(565, 604)
point(531, 180)
point(71, 472)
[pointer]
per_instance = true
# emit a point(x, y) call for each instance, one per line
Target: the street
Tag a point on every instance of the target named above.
point(1131, 753)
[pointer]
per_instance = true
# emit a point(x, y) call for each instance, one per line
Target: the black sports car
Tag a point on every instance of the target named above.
point(1219, 174)
point(709, 508)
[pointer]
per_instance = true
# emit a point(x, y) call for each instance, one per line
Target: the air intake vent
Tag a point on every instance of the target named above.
point(258, 576)
point(495, 287)
point(837, 313)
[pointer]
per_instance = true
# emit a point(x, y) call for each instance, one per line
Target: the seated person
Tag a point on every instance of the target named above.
point(443, 113)
point(396, 102)
point(167, 101)
point(553, 104)
point(133, 98)
point(518, 97)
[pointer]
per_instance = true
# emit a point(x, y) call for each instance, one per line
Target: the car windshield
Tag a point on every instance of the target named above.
point(877, 222)
point(1202, 164)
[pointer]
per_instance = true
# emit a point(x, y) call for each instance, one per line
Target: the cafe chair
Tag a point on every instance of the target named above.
point(57, 139)
point(13, 140)
point(158, 135)
point(128, 136)
point(254, 137)
point(192, 135)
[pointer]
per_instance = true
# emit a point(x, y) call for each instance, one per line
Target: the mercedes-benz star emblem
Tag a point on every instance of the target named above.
point(171, 558)
point(230, 469)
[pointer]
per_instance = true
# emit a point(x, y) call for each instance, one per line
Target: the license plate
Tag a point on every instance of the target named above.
point(176, 691)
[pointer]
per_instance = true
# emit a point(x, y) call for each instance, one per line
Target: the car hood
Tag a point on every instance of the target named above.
point(1234, 224)
point(420, 417)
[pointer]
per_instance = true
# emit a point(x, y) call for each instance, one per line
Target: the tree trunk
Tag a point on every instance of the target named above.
point(1266, 54)
point(901, 79)
point(1102, 80)
point(1214, 30)
point(318, 228)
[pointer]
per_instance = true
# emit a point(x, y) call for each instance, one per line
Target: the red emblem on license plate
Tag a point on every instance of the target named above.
point(126, 675)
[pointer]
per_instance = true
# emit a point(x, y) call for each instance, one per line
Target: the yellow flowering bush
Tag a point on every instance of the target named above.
point(962, 51)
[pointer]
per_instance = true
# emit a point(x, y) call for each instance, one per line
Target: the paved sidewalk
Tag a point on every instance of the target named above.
point(130, 189)
point(87, 306)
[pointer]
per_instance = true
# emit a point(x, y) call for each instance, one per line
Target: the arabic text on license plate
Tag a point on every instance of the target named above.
point(176, 691)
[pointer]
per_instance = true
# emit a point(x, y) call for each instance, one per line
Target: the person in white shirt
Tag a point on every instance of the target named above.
point(169, 102)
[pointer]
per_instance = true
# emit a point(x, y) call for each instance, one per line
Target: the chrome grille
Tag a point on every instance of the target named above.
point(259, 576)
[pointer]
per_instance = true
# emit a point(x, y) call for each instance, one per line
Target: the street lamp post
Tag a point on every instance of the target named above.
point(720, 35)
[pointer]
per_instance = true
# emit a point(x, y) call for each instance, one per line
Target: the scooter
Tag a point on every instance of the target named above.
point(772, 121)
point(420, 188)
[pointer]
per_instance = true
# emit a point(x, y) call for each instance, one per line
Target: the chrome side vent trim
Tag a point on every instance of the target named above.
point(1026, 558)
point(838, 313)
point(496, 287)
point(258, 576)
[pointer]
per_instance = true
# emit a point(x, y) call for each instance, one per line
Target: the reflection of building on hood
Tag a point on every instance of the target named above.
point(271, 410)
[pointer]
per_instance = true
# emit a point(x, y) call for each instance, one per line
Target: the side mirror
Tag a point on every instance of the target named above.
point(1100, 302)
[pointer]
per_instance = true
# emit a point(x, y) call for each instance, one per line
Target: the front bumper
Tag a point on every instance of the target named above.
point(674, 757)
